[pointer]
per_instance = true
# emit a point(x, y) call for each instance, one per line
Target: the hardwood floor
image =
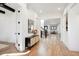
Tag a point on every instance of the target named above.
point(10, 49)
point(50, 46)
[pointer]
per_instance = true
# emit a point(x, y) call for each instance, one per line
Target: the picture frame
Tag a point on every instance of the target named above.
point(66, 21)
point(53, 27)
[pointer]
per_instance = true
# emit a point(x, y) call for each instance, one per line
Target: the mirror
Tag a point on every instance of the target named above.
point(30, 25)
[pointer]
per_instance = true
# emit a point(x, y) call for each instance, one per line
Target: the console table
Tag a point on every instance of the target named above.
point(31, 40)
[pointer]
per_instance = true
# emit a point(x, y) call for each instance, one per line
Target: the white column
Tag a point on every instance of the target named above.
point(22, 27)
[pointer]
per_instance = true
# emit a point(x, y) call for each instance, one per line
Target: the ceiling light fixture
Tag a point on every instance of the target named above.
point(59, 9)
point(40, 11)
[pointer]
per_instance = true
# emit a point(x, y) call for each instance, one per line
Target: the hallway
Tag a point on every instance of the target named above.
point(51, 47)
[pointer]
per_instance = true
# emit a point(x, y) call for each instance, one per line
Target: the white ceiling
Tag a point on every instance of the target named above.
point(12, 5)
point(52, 21)
point(47, 8)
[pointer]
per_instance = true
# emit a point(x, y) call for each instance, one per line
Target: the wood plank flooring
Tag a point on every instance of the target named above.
point(50, 46)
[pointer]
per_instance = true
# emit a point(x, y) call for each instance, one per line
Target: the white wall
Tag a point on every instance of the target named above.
point(73, 33)
point(58, 28)
point(71, 38)
point(64, 33)
point(8, 26)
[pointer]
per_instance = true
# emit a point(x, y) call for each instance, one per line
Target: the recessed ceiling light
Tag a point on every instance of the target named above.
point(40, 11)
point(59, 8)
